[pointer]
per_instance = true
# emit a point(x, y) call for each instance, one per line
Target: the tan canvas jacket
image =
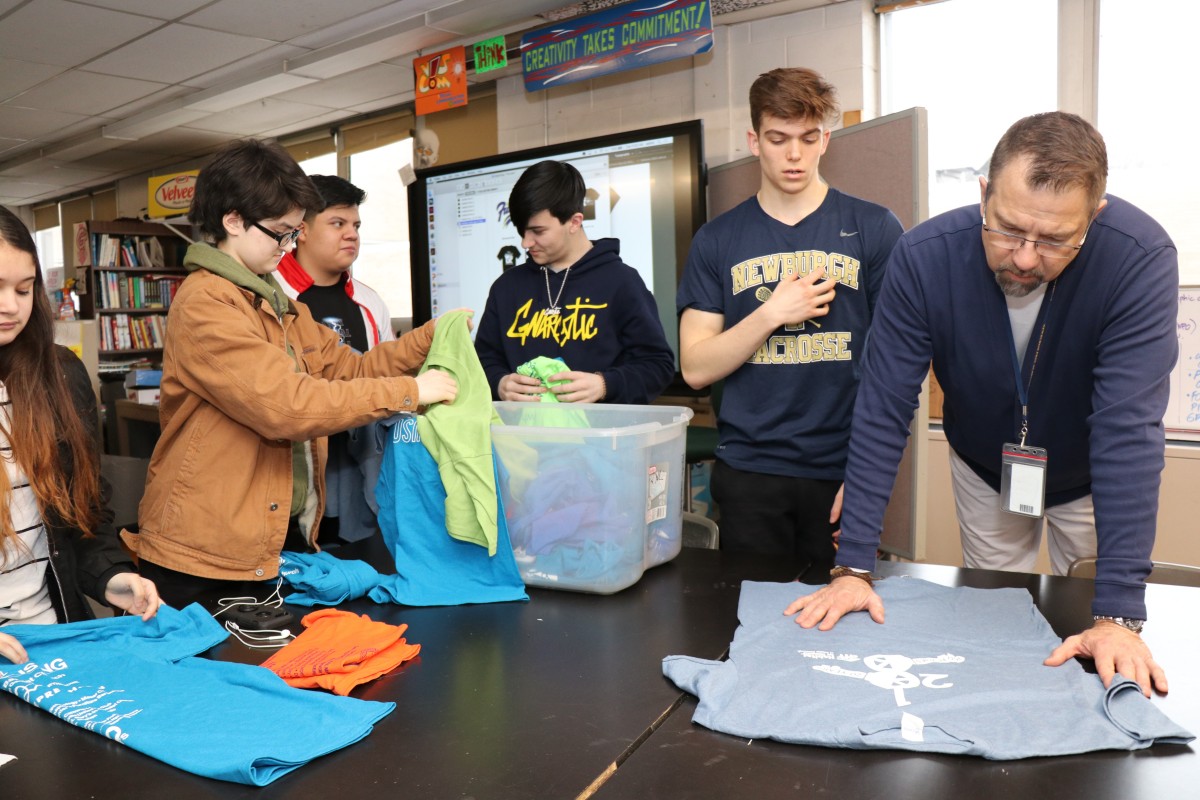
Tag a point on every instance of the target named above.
point(219, 487)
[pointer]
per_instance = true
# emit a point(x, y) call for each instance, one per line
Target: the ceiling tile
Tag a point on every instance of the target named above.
point(86, 92)
point(17, 76)
point(267, 20)
point(176, 53)
point(159, 9)
point(261, 115)
point(14, 193)
point(46, 171)
point(355, 88)
point(26, 123)
point(275, 55)
point(80, 33)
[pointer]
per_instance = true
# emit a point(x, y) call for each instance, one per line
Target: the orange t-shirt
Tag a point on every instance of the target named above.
point(339, 650)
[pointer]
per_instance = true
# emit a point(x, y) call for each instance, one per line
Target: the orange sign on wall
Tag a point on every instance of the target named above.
point(441, 80)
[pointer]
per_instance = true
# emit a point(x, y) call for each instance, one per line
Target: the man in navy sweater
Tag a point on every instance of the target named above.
point(1049, 314)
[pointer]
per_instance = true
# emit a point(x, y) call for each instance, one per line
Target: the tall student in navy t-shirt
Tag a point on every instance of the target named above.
point(776, 301)
point(56, 536)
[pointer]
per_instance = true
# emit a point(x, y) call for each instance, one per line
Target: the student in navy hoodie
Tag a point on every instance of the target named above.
point(572, 299)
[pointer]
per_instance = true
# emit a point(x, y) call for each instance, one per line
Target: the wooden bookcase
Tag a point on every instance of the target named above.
point(135, 269)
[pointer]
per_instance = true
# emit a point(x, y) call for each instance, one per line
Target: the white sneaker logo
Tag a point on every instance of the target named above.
point(844, 234)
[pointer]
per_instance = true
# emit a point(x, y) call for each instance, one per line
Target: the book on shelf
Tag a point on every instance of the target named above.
point(133, 332)
point(120, 290)
point(113, 250)
point(110, 366)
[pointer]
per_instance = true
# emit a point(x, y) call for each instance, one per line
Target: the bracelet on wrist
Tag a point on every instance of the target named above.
point(842, 572)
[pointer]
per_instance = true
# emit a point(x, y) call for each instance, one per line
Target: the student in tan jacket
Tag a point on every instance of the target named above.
point(251, 387)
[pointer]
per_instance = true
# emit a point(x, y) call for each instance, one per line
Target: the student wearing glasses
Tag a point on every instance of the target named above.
point(251, 388)
point(1049, 314)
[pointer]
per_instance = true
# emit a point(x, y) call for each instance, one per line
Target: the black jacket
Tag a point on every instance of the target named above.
point(79, 565)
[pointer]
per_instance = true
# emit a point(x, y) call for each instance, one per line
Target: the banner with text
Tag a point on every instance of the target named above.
point(624, 37)
point(441, 80)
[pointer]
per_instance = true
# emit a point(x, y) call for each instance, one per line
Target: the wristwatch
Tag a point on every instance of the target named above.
point(862, 575)
point(1134, 625)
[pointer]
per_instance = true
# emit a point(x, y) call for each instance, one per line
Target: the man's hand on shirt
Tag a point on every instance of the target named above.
point(1114, 649)
point(436, 386)
point(830, 603)
point(11, 649)
point(580, 387)
point(798, 299)
point(134, 594)
point(520, 388)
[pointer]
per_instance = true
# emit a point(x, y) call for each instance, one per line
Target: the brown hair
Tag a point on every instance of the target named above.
point(1064, 151)
point(44, 423)
point(258, 180)
point(793, 93)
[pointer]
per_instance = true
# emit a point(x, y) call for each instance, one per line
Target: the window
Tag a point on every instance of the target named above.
point(1148, 123)
point(50, 254)
point(383, 257)
point(976, 68)
point(324, 164)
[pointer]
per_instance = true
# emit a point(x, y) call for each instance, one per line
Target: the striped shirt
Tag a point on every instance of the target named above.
point(24, 595)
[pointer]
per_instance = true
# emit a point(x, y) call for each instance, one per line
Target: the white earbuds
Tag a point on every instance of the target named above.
point(260, 638)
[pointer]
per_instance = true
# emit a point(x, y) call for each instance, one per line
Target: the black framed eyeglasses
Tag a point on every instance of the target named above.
point(1011, 241)
point(282, 239)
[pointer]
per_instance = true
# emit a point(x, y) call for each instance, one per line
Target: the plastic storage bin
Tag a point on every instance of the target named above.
point(593, 493)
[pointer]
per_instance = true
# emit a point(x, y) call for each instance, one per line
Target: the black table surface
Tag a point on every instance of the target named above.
point(505, 701)
point(683, 760)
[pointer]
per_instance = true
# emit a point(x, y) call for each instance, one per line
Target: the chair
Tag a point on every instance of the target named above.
point(700, 531)
point(1160, 572)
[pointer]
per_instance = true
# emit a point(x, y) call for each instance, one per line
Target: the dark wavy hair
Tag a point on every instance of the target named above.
point(258, 180)
point(54, 447)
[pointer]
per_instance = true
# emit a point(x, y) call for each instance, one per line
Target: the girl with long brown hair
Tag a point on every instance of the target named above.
point(56, 537)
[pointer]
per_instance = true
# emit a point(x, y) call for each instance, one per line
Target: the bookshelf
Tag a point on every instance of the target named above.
point(133, 271)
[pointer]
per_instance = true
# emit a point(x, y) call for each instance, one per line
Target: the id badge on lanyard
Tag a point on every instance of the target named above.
point(1023, 480)
point(1023, 467)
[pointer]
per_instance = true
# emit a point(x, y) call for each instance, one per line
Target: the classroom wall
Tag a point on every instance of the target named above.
point(839, 40)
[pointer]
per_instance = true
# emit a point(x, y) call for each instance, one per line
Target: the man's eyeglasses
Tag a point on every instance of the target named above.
point(284, 240)
point(1011, 241)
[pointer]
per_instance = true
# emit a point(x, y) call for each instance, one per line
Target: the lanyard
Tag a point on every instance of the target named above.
point(1023, 389)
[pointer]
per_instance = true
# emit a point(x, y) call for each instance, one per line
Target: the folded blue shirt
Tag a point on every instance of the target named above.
point(138, 683)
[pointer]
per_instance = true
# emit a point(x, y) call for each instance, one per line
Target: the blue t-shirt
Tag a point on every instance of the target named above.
point(786, 411)
point(951, 671)
point(432, 567)
point(137, 683)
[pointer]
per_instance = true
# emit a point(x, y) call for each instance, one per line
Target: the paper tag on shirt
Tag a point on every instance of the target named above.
point(912, 728)
point(1023, 480)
